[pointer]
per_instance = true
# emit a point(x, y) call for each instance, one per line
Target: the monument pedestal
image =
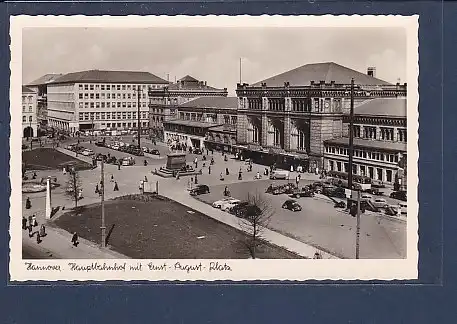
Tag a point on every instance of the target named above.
point(176, 162)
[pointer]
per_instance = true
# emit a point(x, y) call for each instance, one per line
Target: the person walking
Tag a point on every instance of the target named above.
point(227, 171)
point(119, 165)
point(24, 223)
point(35, 223)
point(258, 175)
point(97, 190)
point(222, 176)
point(116, 187)
point(64, 171)
point(74, 239)
point(145, 179)
point(30, 220)
point(38, 238)
point(196, 162)
point(28, 204)
point(112, 178)
point(30, 231)
point(239, 176)
point(42, 230)
point(209, 169)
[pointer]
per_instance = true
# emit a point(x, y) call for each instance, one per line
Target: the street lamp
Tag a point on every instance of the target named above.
point(139, 117)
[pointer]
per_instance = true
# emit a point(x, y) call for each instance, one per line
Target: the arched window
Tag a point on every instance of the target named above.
point(301, 140)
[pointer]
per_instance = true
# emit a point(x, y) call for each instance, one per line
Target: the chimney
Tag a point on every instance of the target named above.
point(371, 71)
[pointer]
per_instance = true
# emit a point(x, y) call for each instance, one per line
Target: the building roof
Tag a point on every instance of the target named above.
point(317, 72)
point(188, 78)
point(392, 107)
point(359, 142)
point(212, 102)
point(192, 85)
point(98, 76)
point(45, 79)
point(191, 123)
point(27, 90)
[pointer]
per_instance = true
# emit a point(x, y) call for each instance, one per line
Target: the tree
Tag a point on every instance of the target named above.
point(254, 219)
point(74, 186)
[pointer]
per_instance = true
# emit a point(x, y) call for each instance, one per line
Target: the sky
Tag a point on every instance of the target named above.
point(212, 54)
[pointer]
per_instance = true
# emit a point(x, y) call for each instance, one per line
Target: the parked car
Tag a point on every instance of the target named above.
point(380, 203)
point(245, 209)
point(145, 149)
point(128, 161)
point(219, 203)
point(227, 206)
point(304, 192)
point(101, 157)
point(197, 151)
point(87, 152)
point(400, 195)
point(154, 151)
point(280, 174)
point(403, 207)
point(200, 189)
point(366, 196)
point(100, 143)
point(111, 160)
point(292, 205)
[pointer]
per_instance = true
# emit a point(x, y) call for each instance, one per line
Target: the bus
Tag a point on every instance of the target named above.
point(341, 178)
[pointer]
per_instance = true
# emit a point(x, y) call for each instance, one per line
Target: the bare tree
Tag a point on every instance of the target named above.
point(254, 219)
point(74, 186)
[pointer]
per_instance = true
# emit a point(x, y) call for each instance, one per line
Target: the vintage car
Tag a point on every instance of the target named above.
point(127, 161)
point(219, 203)
point(304, 192)
point(200, 189)
point(280, 174)
point(292, 205)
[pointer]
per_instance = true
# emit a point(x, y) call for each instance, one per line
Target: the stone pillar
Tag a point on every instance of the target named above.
point(241, 128)
point(287, 131)
point(264, 131)
point(48, 199)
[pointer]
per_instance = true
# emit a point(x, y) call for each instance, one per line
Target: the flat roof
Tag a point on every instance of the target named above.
point(191, 123)
point(99, 76)
point(391, 107)
point(359, 142)
point(213, 102)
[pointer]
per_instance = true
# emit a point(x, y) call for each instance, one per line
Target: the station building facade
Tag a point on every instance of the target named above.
point(206, 122)
point(100, 100)
point(29, 113)
point(287, 118)
point(380, 140)
point(163, 100)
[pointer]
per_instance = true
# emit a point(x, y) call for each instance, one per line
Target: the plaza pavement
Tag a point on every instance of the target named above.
point(128, 180)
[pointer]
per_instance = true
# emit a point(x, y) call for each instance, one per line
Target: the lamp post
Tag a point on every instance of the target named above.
point(139, 116)
point(102, 196)
point(351, 142)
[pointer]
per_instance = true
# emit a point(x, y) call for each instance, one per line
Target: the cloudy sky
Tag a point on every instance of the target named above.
point(212, 54)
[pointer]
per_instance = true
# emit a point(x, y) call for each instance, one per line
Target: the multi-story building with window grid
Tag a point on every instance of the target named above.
point(29, 112)
point(379, 141)
point(100, 100)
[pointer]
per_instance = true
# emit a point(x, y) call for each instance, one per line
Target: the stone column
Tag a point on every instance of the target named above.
point(287, 131)
point(48, 199)
point(241, 128)
point(264, 131)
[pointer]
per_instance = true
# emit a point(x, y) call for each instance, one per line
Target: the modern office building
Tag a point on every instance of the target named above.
point(287, 118)
point(206, 122)
point(100, 100)
point(40, 86)
point(29, 112)
point(379, 141)
point(174, 95)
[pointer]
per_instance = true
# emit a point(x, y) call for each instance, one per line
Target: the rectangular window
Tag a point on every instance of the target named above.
point(103, 104)
point(91, 105)
point(86, 96)
point(108, 115)
point(80, 87)
point(129, 96)
point(123, 87)
point(86, 105)
point(86, 116)
point(103, 96)
point(81, 116)
point(123, 96)
point(118, 87)
point(108, 105)
point(119, 115)
point(24, 119)
point(97, 116)
point(124, 115)
point(124, 104)
point(129, 115)
point(144, 96)
point(108, 87)
point(30, 108)
point(128, 87)
point(129, 105)
point(97, 87)
point(91, 96)
point(97, 96)
point(108, 96)
point(134, 115)
point(97, 105)
point(102, 87)
point(81, 105)
point(80, 96)
point(144, 105)
point(91, 87)
point(102, 115)
point(118, 105)
point(134, 104)
point(86, 87)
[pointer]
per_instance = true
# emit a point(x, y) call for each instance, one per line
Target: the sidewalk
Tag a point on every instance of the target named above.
point(182, 196)
point(57, 244)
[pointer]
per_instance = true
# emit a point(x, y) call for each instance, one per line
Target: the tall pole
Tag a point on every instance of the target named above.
point(240, 70)
point(351, 140)
point(102, 188)
point(139, 120)
point(357, 235)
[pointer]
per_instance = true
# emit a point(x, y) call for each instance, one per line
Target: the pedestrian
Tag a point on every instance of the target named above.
point(112, 178)
point(226, 191)
point(34, 222)
point(74, 239)
point(227, 171)
point(207, 152)
point(291, 168)
point(196, 162)
point(239, 176)
point(222, 176)
point(116, 187)
point(80, 194)
point(209, 169)
point(145, 179)
point(64, 171)
point(196, 180)
point(42, 231)
point(119, 166)
point(24, 223)
point(97, 190)
point(177, 175)
point(28, 204)
point(258, 175)
point(30, 220)
point(225, 158)
point(38, 238)
point(30, 231)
